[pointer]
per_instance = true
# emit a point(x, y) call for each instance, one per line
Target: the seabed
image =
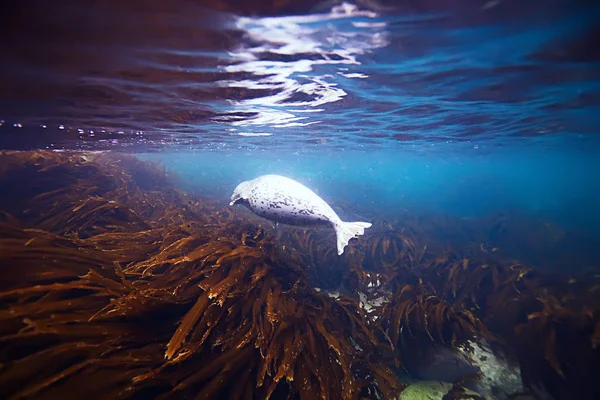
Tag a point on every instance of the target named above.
point(118, 285)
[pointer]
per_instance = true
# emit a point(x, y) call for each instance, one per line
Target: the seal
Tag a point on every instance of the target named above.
point(283, 200)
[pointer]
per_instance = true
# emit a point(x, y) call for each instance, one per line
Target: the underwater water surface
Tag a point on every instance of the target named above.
point(467, 132)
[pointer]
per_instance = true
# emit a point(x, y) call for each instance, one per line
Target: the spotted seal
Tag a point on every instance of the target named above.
point(286, 201)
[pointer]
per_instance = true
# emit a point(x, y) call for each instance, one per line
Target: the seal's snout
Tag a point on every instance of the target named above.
point(238, 200)
point(238, 195)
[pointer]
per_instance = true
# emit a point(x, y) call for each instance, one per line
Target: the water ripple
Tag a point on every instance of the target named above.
point(288, 55)
point(350, 75)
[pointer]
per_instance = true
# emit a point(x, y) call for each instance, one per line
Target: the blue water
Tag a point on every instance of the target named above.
point(549, 184)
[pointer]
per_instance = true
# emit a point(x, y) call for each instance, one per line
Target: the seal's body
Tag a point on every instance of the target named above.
point(284, 200)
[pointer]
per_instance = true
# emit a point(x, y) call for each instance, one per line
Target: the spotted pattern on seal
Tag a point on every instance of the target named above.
point(268, 201)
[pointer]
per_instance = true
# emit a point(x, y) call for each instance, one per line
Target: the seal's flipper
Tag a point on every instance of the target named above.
point(346, 231)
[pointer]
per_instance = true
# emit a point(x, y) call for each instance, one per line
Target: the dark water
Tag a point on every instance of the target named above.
point(465, 110)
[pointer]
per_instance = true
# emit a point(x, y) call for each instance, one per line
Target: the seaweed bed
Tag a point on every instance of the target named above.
point(118, 285)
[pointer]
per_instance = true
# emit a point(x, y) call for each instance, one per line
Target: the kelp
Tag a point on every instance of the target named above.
point(558, 342)
point(422, 291)
point(121, 286)
point(136, 293)
point(242, 317)
point(420, 313)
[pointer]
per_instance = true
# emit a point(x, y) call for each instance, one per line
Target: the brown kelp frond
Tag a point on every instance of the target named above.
point(98, 193)
point(317, 246)
point(43, 257)
point(552, 339)
point(96, 212)
point(284, 340)
point(8, 219)
point(414, 313)
point(472, 282)
point(315, 249)
point(391, 248)
point(129, 247)
point(53, 308)
point(45, 330)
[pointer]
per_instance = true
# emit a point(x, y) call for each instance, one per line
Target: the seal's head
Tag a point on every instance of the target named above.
point(240, 194)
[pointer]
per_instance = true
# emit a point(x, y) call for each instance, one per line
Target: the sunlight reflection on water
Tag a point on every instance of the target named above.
point(282, 55)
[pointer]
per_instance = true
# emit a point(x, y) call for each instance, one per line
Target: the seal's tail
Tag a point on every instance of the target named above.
point(346, 231)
